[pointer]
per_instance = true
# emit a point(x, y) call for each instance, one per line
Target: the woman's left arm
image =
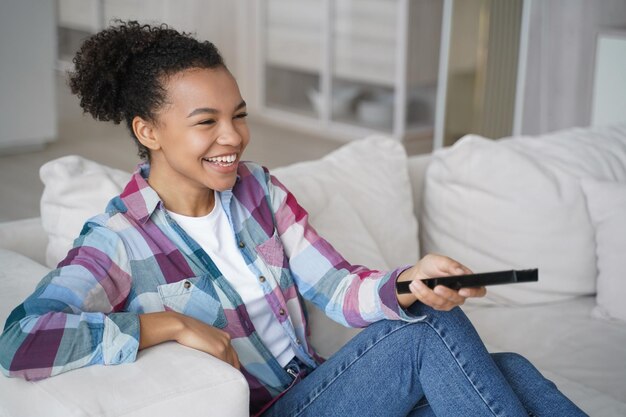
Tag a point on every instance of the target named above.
point(352, 295)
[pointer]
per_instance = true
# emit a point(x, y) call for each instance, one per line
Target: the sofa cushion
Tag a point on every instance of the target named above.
point(607, 207)
point(25, 236)
point(584, 356)
point(518, 203)
point(75, 190)
point(370, 176)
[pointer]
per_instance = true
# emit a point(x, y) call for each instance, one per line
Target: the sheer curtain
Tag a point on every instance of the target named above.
point(560, 60)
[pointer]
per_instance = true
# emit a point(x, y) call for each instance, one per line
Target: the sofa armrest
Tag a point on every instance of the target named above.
point(26, 237)
point(166, 380)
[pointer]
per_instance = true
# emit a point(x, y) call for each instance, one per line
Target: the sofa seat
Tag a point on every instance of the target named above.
point(583, 355)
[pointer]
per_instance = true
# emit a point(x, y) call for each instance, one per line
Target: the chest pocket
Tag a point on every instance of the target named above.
point(194, 297)
point(272, 252)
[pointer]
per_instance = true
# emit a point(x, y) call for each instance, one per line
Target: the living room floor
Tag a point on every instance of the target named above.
point(110, 144)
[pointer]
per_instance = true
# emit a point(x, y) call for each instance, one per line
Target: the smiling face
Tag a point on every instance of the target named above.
point(198, 138)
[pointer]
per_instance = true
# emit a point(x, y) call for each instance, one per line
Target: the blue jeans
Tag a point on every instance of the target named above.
point(436, 367)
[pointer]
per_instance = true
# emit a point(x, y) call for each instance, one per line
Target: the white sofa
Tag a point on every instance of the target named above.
point(515, 203)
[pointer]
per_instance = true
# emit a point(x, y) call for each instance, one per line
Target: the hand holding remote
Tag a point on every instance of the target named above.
point(456, 282)
point(441, 298)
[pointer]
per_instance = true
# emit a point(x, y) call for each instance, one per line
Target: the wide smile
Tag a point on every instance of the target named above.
point(222, 163)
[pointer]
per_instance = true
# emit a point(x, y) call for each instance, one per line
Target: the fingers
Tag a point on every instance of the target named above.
point(449, 295)
point(473, 292)
point(235, 363)
point(209, 339)
point(225, 350)
point(442, 298)
point(231, 356)
point(433, 265)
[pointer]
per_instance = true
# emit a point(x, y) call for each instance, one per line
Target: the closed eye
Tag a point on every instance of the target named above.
point(207, 122)
point(241, 115)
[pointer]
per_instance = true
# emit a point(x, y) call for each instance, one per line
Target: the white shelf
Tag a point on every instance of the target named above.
point(358, 44)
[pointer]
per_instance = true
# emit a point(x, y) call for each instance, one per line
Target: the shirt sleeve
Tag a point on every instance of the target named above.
point(74, 317)
point(352, 295)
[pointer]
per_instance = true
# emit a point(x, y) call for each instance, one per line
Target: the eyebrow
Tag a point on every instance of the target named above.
point(202, 110)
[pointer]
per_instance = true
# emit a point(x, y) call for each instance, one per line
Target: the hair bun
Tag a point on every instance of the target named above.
point(103, 67)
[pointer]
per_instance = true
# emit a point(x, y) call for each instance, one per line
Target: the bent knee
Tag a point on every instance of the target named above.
point(512, 362)
point(420, 309)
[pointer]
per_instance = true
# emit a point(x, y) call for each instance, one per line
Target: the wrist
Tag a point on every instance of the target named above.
point(406, 275)
point(159, 327)
point(406, 300)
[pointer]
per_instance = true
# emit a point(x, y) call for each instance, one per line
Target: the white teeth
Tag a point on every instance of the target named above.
point(226, 159)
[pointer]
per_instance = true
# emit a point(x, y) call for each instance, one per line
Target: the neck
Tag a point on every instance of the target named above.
point(178, 195)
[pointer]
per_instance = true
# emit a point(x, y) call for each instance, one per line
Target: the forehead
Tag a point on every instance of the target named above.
point(202, 87)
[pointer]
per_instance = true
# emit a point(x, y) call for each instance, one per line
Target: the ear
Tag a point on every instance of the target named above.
point(146, 133)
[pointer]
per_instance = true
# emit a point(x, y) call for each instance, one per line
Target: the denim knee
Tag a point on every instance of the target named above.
point(451, 319)
point(515, 366)
point(512, 360)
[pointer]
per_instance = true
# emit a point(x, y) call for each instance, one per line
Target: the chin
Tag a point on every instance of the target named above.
point(223, 185)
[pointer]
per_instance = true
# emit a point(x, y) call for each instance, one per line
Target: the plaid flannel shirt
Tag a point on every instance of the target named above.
point(135, 259)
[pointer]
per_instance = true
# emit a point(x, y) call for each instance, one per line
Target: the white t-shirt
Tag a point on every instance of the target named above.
point(214, 234)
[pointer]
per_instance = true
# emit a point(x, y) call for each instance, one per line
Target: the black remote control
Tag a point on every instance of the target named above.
point(476, 280)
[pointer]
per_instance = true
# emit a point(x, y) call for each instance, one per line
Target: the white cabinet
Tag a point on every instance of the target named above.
point(82, 15)
point(350, 67)
point(214, 20)
point(609, 92)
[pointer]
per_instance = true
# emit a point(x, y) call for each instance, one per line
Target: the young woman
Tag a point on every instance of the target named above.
point(216, 254)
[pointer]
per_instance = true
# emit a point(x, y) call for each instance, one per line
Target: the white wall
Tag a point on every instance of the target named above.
point(27, 76)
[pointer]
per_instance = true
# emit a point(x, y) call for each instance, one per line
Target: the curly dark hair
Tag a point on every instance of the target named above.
point(119, 72)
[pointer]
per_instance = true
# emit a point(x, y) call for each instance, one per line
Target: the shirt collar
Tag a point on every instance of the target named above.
point(139, 198)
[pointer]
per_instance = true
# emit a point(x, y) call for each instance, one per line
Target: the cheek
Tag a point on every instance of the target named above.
point(244, 133)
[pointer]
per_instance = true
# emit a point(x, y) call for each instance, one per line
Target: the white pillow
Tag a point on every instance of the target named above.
point(518, 203)
point(351, 238)
point(375, 213)
point(607, 207)
point(76, 189)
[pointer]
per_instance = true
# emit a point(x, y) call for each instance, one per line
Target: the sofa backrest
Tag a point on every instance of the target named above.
point(26, 237)
point(417, 165)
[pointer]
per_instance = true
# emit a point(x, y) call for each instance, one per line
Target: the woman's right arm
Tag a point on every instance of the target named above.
point(168, 325)
point(75, 316)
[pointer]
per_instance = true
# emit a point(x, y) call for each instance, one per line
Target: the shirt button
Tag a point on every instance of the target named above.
point(262, 278)
point(187, 284)
point(281, 312)
point(298, 342)
point(242, 245)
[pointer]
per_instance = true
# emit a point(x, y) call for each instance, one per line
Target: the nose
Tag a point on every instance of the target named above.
point(228, 135)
